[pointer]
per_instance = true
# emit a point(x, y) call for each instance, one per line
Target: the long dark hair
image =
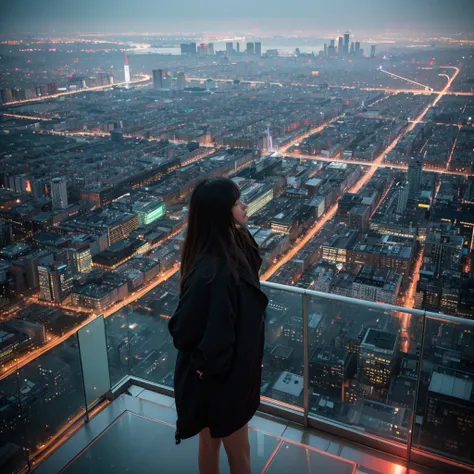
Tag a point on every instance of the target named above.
point(212, 228)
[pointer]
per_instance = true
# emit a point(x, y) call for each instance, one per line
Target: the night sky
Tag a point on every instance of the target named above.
point(427, 16)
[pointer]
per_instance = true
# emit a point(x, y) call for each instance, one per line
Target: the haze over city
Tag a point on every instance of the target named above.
point(348, 127)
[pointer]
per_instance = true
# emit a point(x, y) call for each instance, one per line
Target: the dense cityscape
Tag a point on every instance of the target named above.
point(355, 158)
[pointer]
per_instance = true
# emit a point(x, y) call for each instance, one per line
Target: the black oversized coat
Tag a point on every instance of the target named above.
point(218, 329)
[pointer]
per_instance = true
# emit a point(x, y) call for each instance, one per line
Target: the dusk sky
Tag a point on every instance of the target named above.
point(165, 16)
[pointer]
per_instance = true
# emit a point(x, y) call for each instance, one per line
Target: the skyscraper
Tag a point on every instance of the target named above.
point(402, 202)
point(415, 167)
point(55, 282)
point(325, 49)
point(357, 48)
point(351, 52)
point(237, 47)
point(126, 71)
point(7, 96)
point(347, 37)
point(340, 45)
point(229, 47)
point(372, 51)
point(258, 49)
point(59, 193)
point(377, 359)
point(181, 81)
point(210, 49)
point(250, 49)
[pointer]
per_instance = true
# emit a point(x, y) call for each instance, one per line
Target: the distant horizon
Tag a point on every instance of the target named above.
point(423, 17)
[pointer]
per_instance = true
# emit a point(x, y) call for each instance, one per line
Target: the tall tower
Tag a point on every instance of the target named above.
point(340, 45)
point(415, 168)
point(59, 193)
point(269, 140)
point(357, 48)
point(347, 37)
point(258, 49)
point(126, 71)
point(158, 78)
point(250, 49)
point(372, 51)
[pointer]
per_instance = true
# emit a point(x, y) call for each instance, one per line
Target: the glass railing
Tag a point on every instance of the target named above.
point(400, 376)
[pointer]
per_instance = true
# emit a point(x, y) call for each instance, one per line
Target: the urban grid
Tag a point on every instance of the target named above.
point(355, 158)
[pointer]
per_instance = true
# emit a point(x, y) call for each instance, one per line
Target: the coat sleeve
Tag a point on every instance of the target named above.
point(204, 322)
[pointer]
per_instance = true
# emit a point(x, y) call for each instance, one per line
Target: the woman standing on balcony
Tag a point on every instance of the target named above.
point(218, 328)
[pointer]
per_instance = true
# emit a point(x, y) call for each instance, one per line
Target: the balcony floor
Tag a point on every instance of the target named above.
point(135, 434)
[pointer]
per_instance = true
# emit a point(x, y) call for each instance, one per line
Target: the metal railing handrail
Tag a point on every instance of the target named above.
point(369, 304)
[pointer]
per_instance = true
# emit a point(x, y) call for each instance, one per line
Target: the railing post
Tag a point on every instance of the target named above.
point(417, 391)
point(305, 309)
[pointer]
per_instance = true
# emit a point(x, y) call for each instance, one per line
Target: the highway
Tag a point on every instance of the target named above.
point(143, 78)
point(329, 214)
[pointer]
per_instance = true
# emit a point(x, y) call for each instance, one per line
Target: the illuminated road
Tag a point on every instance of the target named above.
point(407, 80)
point(329, 214)
point(25, 117)
point(143, 78)
point(374, 164)
point(306, 134)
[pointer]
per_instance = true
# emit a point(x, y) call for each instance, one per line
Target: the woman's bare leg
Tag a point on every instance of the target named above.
point(208, 457)
point(237, 447)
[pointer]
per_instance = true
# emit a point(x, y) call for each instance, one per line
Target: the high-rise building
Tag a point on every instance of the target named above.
point(357, 48)
point(237, 47)
point(372, 51)
point(126, 71)
point(202, 49)
point(52, 89)
point(59, 193)
point(188, 49)
point(359, 217)
point(210, 49)
point(229, 47)
point(158, 78)
point(332, 48)
point(329, 370)
point(402, 202)
point(55, 282)
point(181, 81)
point(377, 360)
point(347, 37)
point(325, 49)
point(414, 173)
point(340, 45)
point(250, 49)
point(80, 260)
point(258, 49)
point(352, 50)
point(7, 96)
point(444, 249)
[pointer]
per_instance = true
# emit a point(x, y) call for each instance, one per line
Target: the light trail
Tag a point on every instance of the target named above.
point(448, 164)
point(26, 117)
point(406, 79)
point(356, 188)
point(307, 133)
point(374, 164)
point(143, 78)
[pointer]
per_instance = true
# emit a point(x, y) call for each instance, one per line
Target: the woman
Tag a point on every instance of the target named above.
point(218, 328)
